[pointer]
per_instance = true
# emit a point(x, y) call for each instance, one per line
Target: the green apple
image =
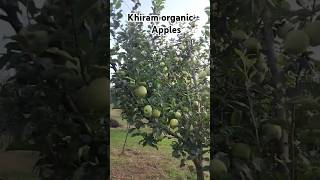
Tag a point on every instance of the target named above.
point(185, 109)
point(165, 69)
point(202, 74)
point(162, 64)
point(219, 168)
point(241, 150)
point(312, 30)
point(191, 127)
point(205, 115)
point(177, 115)
point(272, 131)
point(141, 91)
point(147, 110)
point(195, 104)
point(252, 44)
point(284, 29)
point(174, 123)
point(93, 98)
point(296, 42)
point(239, 35)
point(156, 113)
point(121, 73)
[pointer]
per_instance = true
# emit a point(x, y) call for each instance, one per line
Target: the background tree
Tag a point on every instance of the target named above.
point(264, 82)
point(57, 101)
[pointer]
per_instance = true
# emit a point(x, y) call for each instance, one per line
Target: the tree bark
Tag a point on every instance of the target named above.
point(125, 140)
point(276, 79)
point(199, 168)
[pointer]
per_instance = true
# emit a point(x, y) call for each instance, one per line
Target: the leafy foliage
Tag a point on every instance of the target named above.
point(60, 51)
point(264, 89)
point(174, 72)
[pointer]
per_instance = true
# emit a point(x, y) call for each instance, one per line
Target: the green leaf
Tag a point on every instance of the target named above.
point(117, 4)
point(245, 60)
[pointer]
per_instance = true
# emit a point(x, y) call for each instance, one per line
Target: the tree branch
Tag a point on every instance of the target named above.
point(301, 12)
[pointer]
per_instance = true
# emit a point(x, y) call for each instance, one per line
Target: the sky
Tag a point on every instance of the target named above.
point(173, 7)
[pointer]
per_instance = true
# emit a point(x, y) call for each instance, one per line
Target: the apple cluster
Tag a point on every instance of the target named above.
point(149, 112)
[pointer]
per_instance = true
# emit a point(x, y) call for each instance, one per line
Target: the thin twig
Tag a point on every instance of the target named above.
point(76, 44)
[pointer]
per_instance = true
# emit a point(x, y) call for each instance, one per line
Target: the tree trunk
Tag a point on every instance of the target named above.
point(276, 80)
point(199, 169)
point(125, 140)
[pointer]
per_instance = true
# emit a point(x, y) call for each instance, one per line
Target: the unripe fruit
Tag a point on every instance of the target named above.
point(241, 150)
point(284, 29)
point(205, 115)
point(141, 91)
point(162, 64)
point(165, 69)
point(202, 74)
point(121, 73)
point(156, 113)
point(296, 42)
point(218, 168)
point(272, 131)
point(259, 77)
point(195, 104)
point(252, 44)
point(313, 31)
point(284, 5)
point(185, 109)
point(174, 123)
point(147, 111)
point(177, 115)
point(36, 40)
point(94, 98)
point(239, 35)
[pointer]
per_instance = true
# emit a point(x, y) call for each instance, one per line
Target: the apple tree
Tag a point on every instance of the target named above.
point(162, 84)
point(266, 80)
point(56, 102)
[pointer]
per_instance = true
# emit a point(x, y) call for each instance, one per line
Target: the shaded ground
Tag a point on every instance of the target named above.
point(140, 162)
point(17, 165)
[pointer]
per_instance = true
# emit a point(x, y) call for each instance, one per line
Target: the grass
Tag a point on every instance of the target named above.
point(116, 115)
point(140, 162)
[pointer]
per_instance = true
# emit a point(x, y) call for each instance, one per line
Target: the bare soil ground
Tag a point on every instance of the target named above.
point(137, 165)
